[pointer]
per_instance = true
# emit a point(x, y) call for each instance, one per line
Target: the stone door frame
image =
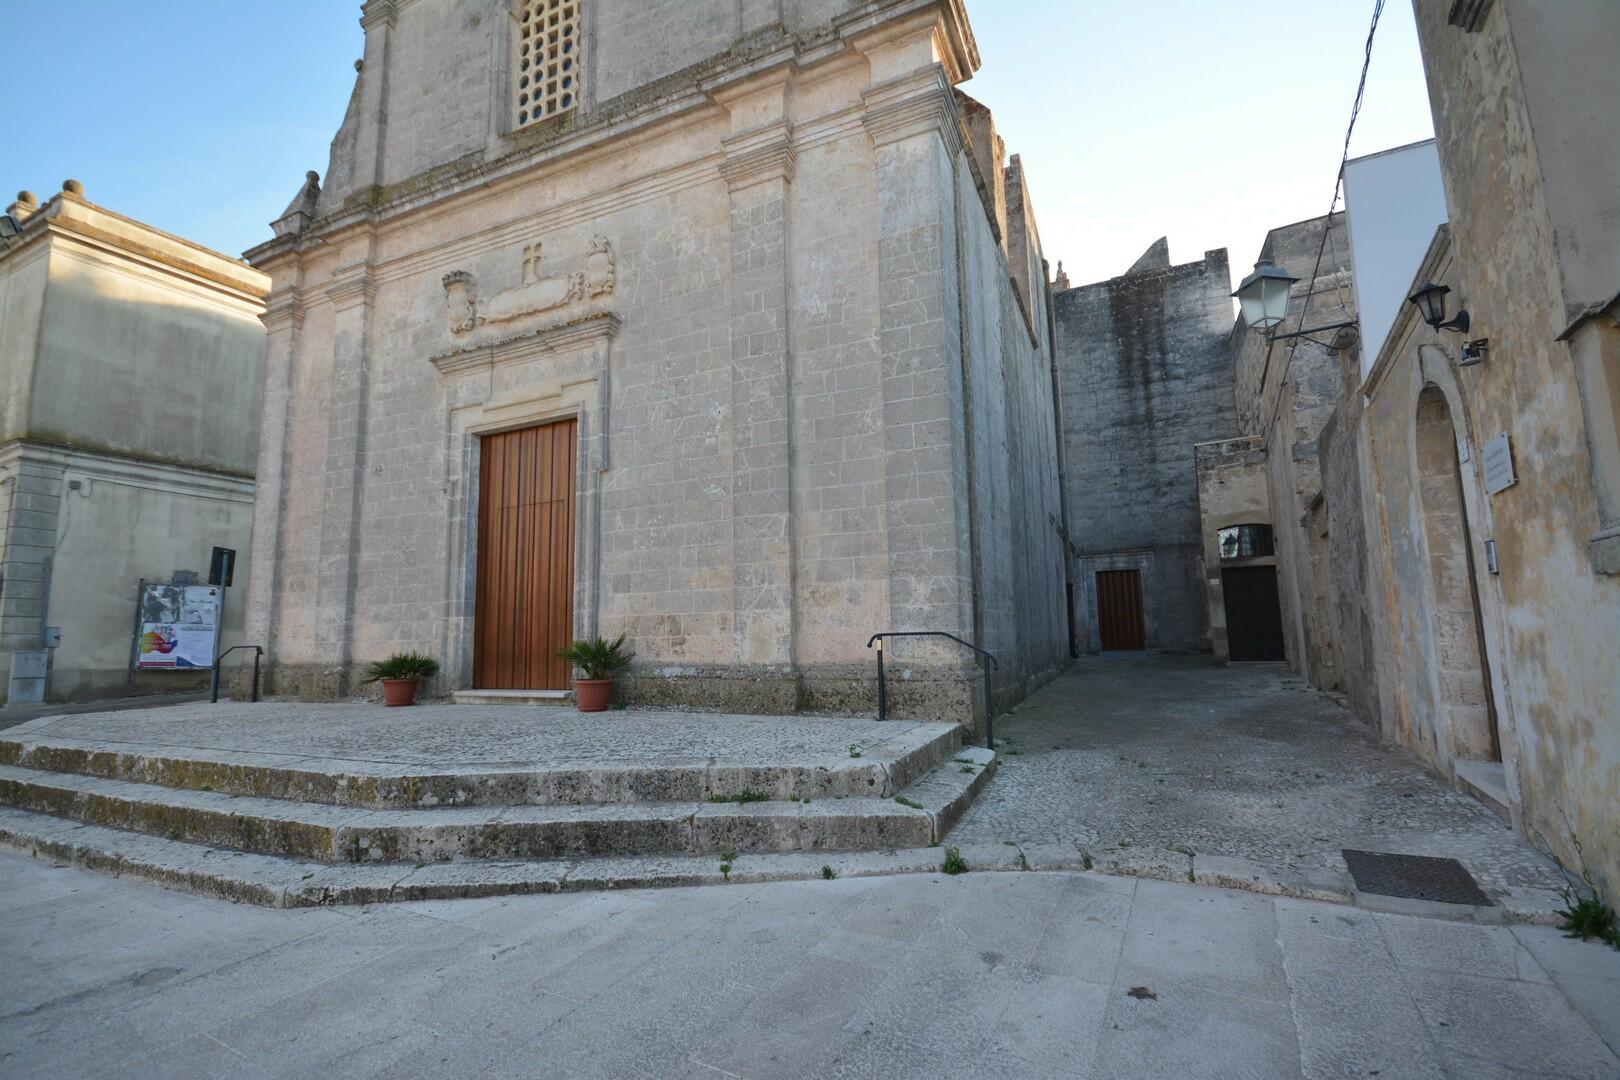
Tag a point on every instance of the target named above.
point(560, 372)
point(1087, 566)
point(1435, 368)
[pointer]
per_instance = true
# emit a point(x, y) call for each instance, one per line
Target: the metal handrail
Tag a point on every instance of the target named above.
point(213, 683)
point(883, 697)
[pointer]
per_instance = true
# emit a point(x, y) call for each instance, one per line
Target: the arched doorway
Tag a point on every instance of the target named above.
point(1465, 699)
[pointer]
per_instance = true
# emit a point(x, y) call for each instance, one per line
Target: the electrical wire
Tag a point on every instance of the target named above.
point(1327, 227)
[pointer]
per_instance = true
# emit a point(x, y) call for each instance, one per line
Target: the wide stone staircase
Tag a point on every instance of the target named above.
point(291, 805)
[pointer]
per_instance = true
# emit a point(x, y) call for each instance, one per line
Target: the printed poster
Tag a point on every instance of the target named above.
point(179, 626)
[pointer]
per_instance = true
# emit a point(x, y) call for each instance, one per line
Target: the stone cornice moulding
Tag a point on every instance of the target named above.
point(596, 331)
point(756, 156)
point(381, 11)
point(914, 104)
point(601, 132)
point(351, 286)
point(283, 309)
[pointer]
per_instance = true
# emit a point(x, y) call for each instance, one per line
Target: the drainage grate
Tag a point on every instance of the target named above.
point(1419, 877)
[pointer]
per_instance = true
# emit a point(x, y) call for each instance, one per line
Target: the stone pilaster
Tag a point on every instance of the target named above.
point(758, 169)
point(351, 293)
point(377, 19)
point(283, 322)
point(916, 138)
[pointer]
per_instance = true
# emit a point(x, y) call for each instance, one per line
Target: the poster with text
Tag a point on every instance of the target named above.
point(179, 626)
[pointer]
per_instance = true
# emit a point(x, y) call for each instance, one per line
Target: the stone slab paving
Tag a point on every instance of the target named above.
point(977, 976)
point(448, 737)
point(1174, 767)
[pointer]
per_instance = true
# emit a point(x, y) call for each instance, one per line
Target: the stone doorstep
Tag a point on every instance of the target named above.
point(882, 771)
point(1487, 782)
point(345, 834)
point(546, 698)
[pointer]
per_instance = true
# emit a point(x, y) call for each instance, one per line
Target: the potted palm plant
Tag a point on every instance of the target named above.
point(399, 675)
point(598, 660)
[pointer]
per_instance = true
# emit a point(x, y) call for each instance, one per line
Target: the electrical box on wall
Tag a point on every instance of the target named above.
point(1490, 558)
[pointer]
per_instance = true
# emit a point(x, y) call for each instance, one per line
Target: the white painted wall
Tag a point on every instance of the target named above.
point(1394, 200)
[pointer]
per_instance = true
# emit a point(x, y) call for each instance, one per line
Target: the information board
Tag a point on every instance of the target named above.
point(1498, 460)
point(179, 626)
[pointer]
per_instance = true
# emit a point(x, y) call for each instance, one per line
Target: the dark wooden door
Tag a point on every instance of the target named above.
point(1120, 625)
point(525, 601)
point(1253, 613)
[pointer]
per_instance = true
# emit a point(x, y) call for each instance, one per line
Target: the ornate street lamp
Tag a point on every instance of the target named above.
point(1263, 295)
point(1431, 304)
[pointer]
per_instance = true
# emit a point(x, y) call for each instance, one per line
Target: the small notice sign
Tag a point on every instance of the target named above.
point(1498, 460)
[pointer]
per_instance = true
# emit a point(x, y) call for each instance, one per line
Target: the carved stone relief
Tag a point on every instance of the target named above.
point(535, 294)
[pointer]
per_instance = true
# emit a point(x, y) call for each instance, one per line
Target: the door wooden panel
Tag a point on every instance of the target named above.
point(1253, 613)
point(525, 599)
point(1120, 623)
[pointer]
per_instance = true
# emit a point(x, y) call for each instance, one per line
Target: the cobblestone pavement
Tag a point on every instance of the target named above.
point(980, 976)
point(1179, 754)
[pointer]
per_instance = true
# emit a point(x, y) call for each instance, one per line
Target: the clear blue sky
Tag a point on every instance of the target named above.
point(1204, 120)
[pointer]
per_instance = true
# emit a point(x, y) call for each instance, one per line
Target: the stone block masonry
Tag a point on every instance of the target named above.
point(1144, 374)
point(812, 392)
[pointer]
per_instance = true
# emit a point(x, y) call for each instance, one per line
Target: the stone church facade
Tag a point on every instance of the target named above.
point(718, 324)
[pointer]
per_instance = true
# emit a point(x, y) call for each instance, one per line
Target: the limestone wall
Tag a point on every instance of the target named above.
point(1530, 211)
point(131, 382)
point(1287, 390)
point(807, 337)
point(1144, 374)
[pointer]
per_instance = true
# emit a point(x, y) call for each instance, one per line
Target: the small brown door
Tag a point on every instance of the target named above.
point(525, 601)
point(1120, 625)
point(1253, 613)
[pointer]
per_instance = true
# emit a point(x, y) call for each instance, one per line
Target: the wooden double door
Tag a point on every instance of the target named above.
point(525, 597)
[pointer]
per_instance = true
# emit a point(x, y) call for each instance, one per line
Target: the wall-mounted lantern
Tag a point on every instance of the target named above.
point(1263, 295)
point(1431, 303)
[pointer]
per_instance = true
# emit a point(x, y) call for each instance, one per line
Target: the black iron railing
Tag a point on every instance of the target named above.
point(213, 683)
point(883, 695)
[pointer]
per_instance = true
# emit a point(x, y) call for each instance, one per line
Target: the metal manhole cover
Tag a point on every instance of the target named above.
point(1419, 877)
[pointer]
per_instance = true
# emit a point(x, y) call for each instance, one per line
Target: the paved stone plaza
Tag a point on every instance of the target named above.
point(983, 975)
point(1177, 766)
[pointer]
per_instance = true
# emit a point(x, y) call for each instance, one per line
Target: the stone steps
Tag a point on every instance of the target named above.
point(337, 833)
point(272, 881)
point(381, 785)
point(284, 853)
point(542, 698)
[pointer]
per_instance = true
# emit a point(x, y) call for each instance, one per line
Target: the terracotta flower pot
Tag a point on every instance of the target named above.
point(399, 691)
point(593, 695)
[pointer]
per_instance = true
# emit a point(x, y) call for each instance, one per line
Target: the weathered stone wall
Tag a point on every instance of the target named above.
point(1525, 203)
point(1232, 490)
point(1287, 389)
point(128, 435)
point(1351, 615)
point(809, 345)
point(1144, 374)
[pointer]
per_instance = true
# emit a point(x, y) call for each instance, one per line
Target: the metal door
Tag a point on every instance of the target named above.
point(1253, 613)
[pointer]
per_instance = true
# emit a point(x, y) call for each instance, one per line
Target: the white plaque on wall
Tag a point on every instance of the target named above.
point(1499, 474)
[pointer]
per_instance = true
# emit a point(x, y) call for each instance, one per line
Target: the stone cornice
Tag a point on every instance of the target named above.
point(760, 155)
point(380, 11)
point(351, 287)
point(575, 335)
point(283, 309)
point(914, 104)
